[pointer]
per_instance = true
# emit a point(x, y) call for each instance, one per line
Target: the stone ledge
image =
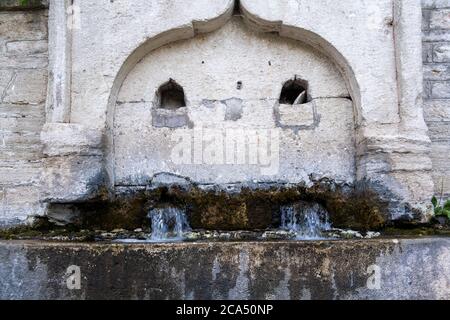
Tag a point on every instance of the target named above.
point(435, 4)
point(245, 270)
point(64, 139)
point(20, 5)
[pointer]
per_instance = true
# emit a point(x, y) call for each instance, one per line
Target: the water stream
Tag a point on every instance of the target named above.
point(307, 221)
point(168, 224)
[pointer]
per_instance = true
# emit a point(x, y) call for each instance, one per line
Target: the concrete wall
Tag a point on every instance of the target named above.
point(23, 88)
point(436, 58)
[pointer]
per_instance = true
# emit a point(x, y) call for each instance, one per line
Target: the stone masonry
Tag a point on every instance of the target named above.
point(23, 88)
point(436, 58)
point(91, 56)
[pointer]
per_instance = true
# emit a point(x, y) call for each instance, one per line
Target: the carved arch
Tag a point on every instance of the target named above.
point(198, 27)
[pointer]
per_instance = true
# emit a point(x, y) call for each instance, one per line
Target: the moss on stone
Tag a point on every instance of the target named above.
point(247, 209)
point(424, 231)
point(10, 5)
point(252, 209)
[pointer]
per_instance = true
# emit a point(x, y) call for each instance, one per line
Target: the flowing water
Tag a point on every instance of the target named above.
point(168, 224)
point(308, 221)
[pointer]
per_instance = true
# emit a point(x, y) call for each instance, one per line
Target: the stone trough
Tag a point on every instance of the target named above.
point(362, 269)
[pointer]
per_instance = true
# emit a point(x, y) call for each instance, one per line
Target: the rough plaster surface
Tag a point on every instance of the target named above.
point(209, 71)
point(407, 269)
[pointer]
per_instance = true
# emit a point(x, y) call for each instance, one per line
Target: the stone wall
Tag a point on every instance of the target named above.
point(436, 57)
point(106, 45)
point(23, 82)
point(23, 87)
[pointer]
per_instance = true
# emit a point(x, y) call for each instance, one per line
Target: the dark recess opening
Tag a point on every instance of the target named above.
point(171, 96)
point(237, 8)
point(294, 92)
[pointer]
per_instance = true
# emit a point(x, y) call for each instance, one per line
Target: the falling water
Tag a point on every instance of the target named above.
point(308, 221)
point(168, 224)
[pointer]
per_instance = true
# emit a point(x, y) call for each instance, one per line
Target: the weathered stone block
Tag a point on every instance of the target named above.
point(437, 71)
point(436, 36)
point(62, 139)
point(441, 53)
point(22, 173)
point(20, 146)
point(19, 203)
point(24, 62)
point(5, 78)
point(21, 118)
point(234, 109)
point(170, 118)
point(18, 112)
point(16, 26)
point(435, 4)
point(439, 131)
point(2, 194)
point(440, 89)
point(425, 18)
point(437, 110)
point(32, 47)
point(440, 19)
point(28, 87)
point(427, 53)
point(72, 179)
point(301, 115)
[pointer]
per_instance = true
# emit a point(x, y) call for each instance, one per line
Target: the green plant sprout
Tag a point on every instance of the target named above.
point(441, 209)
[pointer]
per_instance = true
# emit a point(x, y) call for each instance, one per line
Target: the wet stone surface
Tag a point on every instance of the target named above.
point(226, 207)
point(140, 235)
point(232, 270)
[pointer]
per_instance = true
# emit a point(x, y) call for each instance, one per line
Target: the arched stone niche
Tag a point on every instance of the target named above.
point(232, 79)
point(382, 77)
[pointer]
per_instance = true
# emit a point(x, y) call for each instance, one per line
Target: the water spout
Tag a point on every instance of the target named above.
point(168, 224)
point(308, 221)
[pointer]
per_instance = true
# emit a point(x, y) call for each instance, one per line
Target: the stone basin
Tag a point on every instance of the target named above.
point(347, 269)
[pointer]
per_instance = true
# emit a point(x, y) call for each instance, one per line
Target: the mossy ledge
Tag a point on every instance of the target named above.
point(230, 207)
point(222, 208)
point(46, 231)
point(22, 5)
